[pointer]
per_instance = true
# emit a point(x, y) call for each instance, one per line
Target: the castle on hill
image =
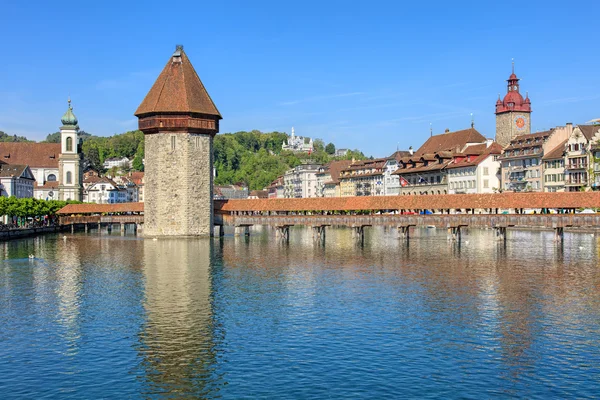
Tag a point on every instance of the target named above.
point(298, 144)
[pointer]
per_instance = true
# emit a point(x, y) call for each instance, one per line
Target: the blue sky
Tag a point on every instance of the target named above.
point(368, 75)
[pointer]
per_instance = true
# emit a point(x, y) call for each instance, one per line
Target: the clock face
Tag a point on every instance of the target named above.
point(520, 122)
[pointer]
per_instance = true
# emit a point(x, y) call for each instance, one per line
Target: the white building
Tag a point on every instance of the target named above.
point(51, 164)
point(298, 144)
point(475, 170)
point(391, 181)
point(16, 180)
point(301, 182)
point(122, 162)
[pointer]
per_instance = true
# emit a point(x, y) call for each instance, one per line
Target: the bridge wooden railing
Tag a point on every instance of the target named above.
point(439, 221)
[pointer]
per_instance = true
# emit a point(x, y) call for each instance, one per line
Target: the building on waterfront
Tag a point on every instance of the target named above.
point(580, 158)
point(70, 165)
point(56, 167)
point(179, 121)
point(522, 159)
point(301, 181)
point(363, 178)
point(476, 169)
point(16, 180)
point(425, 172)
point(298, 144)
point(258, 194)
point(275, 189)
point(391, 182)
point(513, 112)
point(328, 178)
point(554, 168)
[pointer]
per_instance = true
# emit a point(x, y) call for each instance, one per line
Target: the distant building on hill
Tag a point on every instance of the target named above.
point(341, 152)
point(119, 162)
point(298, 144)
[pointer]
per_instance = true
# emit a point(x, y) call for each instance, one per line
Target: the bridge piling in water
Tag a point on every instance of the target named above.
point(319, 232)
point(559, 234)
point(282, 232)
point(242, 230)
point(404, 232)
point(500, 233)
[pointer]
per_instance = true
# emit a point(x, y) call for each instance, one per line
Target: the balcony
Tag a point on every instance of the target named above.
point(576, 166)
point(575, 182)
point(516, 169)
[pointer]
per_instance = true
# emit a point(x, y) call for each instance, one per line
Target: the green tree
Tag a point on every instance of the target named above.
point(53, 138)
point(330, 149)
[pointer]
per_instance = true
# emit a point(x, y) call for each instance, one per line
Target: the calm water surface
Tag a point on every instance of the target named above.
point(98, 316)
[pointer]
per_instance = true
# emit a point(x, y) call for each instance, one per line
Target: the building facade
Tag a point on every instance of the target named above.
point(363, 178)
point(475, 170)
point(301, 181)
point(554, 169)
point(16, 180)
point(579, 162)
point(179, 121)
point(328, 178)
point(512, 113)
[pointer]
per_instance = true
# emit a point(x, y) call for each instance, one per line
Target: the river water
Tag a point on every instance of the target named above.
point(105, 316)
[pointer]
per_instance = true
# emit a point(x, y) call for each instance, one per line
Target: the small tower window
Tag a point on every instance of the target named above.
point(69, 143)
point(198, 142)
point(173, 143)
point(51, 178)
point(69, 177)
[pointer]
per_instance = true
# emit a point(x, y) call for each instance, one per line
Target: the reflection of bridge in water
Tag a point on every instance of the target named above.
point(452, 212)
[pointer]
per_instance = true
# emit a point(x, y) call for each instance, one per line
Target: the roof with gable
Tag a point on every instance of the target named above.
point(334, 168)
point(556, 152)
point(15, 170)
point(450, 141)
point(36, 155)
point(178, 89)
point(589, 130)
point(479, 155)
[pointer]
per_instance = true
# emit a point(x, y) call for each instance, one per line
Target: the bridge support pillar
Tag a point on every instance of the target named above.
point(122, 229)
point(72, 228)
point(404, 232)
point(500, 233)
point(109, 228)
point(85, 227)
point(242, 230)
point(99, 227)
point(221, 230)
point(283, 232)
point(358, 232)
point(139, 229)
point(559, 234)
point(319, 232)
point(456, 233)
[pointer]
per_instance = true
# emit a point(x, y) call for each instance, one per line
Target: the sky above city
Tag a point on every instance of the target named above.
point(368, 75)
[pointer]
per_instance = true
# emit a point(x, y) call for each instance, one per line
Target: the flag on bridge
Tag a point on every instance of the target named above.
point(403, 182)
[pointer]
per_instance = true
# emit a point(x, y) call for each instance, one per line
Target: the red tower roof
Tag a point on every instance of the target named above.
point(513, 101)
point(178, 89)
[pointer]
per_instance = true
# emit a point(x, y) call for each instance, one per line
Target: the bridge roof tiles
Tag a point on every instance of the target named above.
point(421, 202)
point(101, 208)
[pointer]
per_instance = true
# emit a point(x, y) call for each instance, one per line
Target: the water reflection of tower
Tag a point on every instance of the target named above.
point(177, 338)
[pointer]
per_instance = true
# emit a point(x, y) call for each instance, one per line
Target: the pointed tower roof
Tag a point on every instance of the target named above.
point(178, 89)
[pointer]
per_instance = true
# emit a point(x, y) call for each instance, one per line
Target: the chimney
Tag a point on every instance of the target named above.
point(411, 151)
point(177, 54)
point(447, 130)
point(569, 128)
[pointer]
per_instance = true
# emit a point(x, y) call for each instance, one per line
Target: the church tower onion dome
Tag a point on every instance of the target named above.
point(69, 119)
point(513, 100)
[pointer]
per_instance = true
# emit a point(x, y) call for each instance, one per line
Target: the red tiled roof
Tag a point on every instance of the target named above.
point(36, 155)
point(335, 168)
point(494, 148)
point(556, 152)
point(47, 185)
point(422, 202)
point(450, 141)
point(101, 208)
point(178, 89)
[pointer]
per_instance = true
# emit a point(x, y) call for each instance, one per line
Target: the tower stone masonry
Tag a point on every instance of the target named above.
point(179, 121)
point(513, 113)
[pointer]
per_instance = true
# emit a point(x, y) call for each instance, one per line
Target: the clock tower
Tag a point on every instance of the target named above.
point(512, 113)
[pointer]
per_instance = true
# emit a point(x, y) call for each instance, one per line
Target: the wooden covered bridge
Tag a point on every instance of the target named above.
point(499, 211)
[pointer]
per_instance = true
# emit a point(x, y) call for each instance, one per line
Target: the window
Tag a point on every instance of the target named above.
point(486, 183)
point(173, 143)
point(69, 177)
point(51, 178)
point(69, 143)
point(486, 171)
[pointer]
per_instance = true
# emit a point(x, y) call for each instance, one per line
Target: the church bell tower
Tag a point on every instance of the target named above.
point(69, 161)
point(512, 113)
point(179, 121)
